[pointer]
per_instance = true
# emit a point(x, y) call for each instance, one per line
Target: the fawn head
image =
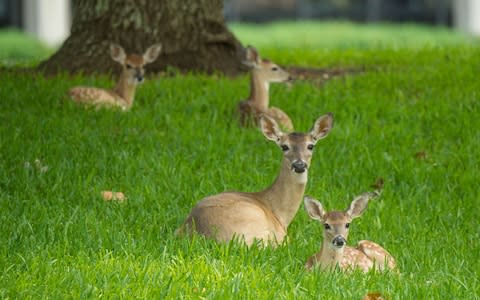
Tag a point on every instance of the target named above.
point(336, 224)
point(133, 63)
point(267, 70)
point(297, 147)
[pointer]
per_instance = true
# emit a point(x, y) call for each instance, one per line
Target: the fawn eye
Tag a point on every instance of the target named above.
point(275, 69)
point(285, 148)
point(347, 225)
point(129, 66)
point(310, 147)
point(326, 226)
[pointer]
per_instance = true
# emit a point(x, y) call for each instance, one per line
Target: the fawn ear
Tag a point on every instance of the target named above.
point(359, 204)
point(270, 128)
point(117, 53)
point(314, 208)
point(152, 53)
point(252, 57)
point(322, 127)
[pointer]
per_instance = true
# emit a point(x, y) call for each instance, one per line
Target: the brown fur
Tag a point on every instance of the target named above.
point(263, 72)
point(123, 95)
point(264, 215)
point(365, 256)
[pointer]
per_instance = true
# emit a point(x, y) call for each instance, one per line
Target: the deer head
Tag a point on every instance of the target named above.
point(297, 147)
point(133, 64)
point(336, 224)
point(265, 69)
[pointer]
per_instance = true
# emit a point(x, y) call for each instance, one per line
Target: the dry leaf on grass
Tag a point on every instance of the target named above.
point(374, 296)
point(421, 155)
point(379, 183)
point(424, 156)
point(113, 196)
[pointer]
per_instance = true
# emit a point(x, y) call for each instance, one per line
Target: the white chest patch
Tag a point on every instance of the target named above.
point(302, 177)
point(267, 86)
point(133, 81)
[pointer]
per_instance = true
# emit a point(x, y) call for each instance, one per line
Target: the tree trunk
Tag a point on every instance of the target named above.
point(192, 33)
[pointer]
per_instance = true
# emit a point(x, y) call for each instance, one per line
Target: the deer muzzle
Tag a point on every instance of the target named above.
point(339, 241)
point(139, 75)
point(299, 166)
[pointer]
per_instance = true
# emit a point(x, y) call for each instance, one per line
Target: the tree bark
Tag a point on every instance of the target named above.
point(192, 33)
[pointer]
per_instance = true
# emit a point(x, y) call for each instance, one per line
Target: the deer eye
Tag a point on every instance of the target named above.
point(347, 225)
point(274, 68)
point(310, 147)
point(326, 226)
point(284, 148)
point(129, 66)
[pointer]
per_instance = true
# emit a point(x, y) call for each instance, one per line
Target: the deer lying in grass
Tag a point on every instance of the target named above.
point(123, 94)
point(263, 72)
point(334, 251)
point(264, 215)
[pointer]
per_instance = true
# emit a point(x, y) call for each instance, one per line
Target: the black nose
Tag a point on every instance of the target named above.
point(339, 241)
point(139, 78)
point(299, 166)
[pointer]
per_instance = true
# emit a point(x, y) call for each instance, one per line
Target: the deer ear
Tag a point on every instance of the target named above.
point(252, 57)
point(314, 208)
point(359, 204)
point(152, 53)
point(117, 53)
point(270, 128)
point(322, 127)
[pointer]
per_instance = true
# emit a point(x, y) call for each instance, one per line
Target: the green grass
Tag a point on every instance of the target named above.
point(345, 35)
point(349, 44)
point(59, 239)
point(18, 49)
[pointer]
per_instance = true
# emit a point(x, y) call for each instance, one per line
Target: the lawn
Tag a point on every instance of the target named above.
point(410, 117)
point(20, 49)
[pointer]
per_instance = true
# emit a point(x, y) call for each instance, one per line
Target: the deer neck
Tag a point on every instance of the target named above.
point(284, 196)
point(259, 88)
point(330, 256)
point(125, 88)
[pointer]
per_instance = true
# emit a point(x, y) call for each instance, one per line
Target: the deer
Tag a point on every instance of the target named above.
point(261, 217)
point(122, 96)
point(263, 72)
point(334, 252)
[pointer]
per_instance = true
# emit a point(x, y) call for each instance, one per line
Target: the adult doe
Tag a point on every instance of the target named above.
point(123, 94)
point(334, 252)
point(264, 215)
point(263, 72)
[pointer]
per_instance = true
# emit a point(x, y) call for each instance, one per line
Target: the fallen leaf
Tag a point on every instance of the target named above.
point(113, 196)
point(107, 195)
point(119, 196)
point(421, 155)
point(374, 296)
point(379, 183)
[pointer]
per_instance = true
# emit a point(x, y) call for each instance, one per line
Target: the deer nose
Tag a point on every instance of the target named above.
point(339, 241)
point(139, 78)
point(299, 166)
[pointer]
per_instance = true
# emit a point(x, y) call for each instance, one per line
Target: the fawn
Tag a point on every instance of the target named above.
point(263, 72)
point(334, 251)
point(123, 94)
point(264, 215)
